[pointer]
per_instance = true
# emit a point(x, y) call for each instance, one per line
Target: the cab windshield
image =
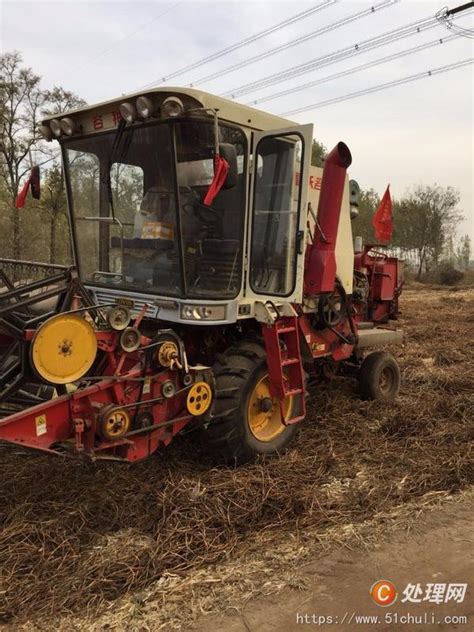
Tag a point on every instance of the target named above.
point(136, 203)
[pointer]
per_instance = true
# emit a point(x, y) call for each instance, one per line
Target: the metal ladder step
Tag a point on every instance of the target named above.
point(285, 366)
point(290, 361)
point(285, 330)
point(294, 391)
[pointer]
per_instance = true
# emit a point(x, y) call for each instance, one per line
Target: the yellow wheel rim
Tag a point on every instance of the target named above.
point(63, 349)
point(263, 412)
point(114, 424)
point(199, 398)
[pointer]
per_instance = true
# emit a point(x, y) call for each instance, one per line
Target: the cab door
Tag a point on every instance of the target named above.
point(277, 219)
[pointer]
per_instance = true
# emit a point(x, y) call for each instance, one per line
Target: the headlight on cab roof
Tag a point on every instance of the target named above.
point(145, 107)
point(203, 312)
point(68, 125)
point(172, 106)
point(55, 126)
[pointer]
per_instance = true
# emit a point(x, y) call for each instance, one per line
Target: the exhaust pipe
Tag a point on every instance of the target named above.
point(320, 258)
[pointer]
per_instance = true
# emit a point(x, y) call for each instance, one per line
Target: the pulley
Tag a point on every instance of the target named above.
point(168, 389)
point(119, 317)
point(199, 398)
point(63, 349)
point(167, 354)
point(332, 308)
point(114, 423)
point(130, 339)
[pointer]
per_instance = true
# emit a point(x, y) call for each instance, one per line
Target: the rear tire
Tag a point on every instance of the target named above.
point(246, 421)
point(379, 377)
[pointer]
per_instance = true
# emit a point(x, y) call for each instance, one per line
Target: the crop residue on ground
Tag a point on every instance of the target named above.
point(76, 536)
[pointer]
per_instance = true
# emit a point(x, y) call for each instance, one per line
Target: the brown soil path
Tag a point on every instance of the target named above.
point(440, 549)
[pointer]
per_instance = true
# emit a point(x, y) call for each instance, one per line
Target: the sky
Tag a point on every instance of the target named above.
point(417, 133)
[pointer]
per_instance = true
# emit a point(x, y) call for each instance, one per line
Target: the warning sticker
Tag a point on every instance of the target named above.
point(40, 425)
point(157, 230)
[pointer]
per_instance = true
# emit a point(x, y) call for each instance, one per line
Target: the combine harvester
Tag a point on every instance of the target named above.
point(206, 288)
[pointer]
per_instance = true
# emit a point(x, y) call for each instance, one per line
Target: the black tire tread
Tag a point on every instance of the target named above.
point(232, 371)
point(367, 385)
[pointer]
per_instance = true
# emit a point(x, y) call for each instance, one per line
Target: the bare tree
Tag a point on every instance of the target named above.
point(362, 224)
point(423, 222)
point(318, 153)
point(464, 252)
point(20, 103)
point(53, 200)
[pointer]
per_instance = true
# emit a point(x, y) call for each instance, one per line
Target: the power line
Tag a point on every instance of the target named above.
point(444, 17)
point(462, 7)
point(383, 86)
point(344, 53)
point(248, 40)
point(300, 40)
point(355, 69)
point(122, 39)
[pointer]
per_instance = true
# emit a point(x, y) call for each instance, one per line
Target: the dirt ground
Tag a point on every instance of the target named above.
point(174, 542)
point(438, 548)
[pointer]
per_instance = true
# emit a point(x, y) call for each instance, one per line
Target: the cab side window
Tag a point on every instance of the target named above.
point(275, 215)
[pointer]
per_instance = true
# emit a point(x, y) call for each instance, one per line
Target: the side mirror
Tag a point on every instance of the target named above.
point(32, 182)
point(228, 152)
point(354, 198)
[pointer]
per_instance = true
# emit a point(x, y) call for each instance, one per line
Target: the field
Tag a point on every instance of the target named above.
point(156, 545)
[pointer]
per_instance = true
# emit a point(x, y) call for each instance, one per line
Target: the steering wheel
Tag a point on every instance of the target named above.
point(206, 214)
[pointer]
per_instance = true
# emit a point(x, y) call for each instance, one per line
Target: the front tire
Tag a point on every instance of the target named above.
point(246, 419)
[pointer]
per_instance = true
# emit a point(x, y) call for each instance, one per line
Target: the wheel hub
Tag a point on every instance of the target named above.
point(266, 405)
point(386, 380)
point(264, 414)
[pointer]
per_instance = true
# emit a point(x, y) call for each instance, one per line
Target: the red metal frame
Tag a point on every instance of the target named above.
point(385, 278)
point(71, 421)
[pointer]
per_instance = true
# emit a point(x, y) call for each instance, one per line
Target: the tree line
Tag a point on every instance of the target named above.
point(425, 218)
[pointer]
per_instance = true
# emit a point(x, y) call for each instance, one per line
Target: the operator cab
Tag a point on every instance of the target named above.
point(154, 201)
point(142, 221)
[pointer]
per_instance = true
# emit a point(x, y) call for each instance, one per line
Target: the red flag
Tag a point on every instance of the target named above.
point(21, 197)
point(221, 168)
point(382, 221)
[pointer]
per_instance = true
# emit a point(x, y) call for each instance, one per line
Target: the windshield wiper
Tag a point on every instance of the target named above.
point(116, 155)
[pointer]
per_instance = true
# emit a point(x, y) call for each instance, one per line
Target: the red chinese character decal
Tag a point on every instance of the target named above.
point(116, 118)
point(297, 179)
point(98, 122)
point(314, 183)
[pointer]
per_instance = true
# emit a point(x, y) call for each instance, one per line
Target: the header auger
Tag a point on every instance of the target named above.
point(205, 291)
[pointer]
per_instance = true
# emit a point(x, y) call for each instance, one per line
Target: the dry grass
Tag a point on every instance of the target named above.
point(76, 537)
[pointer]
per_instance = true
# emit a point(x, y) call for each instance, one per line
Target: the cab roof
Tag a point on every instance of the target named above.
point(227, 110)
